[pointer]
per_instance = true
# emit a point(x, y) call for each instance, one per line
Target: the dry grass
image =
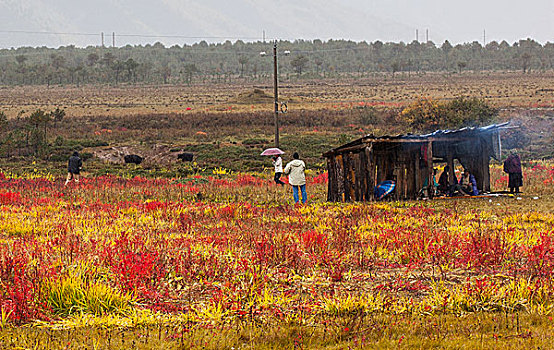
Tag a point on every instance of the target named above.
point(505, 90)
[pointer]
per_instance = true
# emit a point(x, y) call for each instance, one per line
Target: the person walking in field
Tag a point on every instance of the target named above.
point(297, 178)
point(278, 164)
point(512, 166)
point(74, 168)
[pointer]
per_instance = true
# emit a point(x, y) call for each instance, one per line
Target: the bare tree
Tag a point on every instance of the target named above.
point(525, 60)
point(461, 66)
point(395, 66)
point(243, 60)
point(298, 63)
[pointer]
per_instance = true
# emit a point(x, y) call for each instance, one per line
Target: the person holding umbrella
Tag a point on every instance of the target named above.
point(278, 164)
point(297, 179)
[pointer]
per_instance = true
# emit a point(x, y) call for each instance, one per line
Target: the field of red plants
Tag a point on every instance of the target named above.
point(228, 261)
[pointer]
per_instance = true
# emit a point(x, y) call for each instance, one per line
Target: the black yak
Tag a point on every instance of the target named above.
point(185, 157)
point(133, 158)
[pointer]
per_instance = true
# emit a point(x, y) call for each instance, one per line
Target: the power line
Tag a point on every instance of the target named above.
point(188, 37)
point(47, 33)
point(134, 35)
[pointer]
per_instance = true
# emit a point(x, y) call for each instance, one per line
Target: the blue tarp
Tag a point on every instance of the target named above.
point(383, 189)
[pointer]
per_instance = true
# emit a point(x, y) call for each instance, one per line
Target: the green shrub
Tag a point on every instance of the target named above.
point(424, 114)
point(369, 115)
point(462, 112)
point(427, 114)
point(255, 141)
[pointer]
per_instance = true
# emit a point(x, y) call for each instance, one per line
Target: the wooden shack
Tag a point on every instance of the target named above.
point(357, 167)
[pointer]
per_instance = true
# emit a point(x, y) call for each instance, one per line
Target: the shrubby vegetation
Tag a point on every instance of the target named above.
point(235, 139)
point(30, 134)
point(224, 62)
point(427, 114)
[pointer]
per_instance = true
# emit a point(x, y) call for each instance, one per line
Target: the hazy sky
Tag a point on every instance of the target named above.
point(171, 22)
point(462, 21)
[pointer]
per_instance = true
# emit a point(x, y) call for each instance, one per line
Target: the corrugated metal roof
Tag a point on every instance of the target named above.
point(462, 130)
point(436, 134)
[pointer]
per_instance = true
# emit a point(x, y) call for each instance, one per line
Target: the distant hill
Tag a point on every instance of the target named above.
point(215, 19)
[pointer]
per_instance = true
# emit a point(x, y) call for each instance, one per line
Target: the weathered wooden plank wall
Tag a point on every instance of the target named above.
point(430, 170)
point(370, 171)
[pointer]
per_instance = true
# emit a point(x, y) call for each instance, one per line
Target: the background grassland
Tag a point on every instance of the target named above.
point(500, 89)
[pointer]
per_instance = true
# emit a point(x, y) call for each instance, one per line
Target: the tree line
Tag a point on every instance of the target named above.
point(224, 62)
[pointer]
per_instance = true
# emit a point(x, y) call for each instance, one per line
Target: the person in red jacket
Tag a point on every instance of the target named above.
point(512, 166)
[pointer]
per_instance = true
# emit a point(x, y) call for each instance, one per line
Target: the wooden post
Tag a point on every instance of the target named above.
point(400, 174)
point(360, 174)
point(276, 94)
point(370, 171)
point(354, 181)
point(431, 186)
point(363, 175)
point(485, 157)
point(411, 190)
point(331, 179)
point(346, 175)
point(340, 177)
point(450, 162)
point(417, 172)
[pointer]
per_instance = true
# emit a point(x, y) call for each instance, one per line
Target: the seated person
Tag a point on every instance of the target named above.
point(467, 185)
point(444, 186)
point(435, 183)
point(427, 191)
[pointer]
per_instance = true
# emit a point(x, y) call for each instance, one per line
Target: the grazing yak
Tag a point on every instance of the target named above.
point(133, 158)
point(185, 157)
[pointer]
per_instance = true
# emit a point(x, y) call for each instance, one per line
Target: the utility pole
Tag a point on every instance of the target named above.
point(276, 93)
point(416, 35)
point(426, 35)
point(113, 39)
point(102, 36)
point(484, 38)
point(484, 52)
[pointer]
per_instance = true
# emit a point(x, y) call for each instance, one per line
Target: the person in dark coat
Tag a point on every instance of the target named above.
point(468, 184)
point(74, 168)
point(444, 186)
point(512, 166)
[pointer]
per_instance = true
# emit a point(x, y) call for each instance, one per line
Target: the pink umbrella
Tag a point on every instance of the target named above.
point(271, 152)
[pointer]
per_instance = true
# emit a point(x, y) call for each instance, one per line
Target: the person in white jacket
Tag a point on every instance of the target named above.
point(297, 179)
point(278, 164)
